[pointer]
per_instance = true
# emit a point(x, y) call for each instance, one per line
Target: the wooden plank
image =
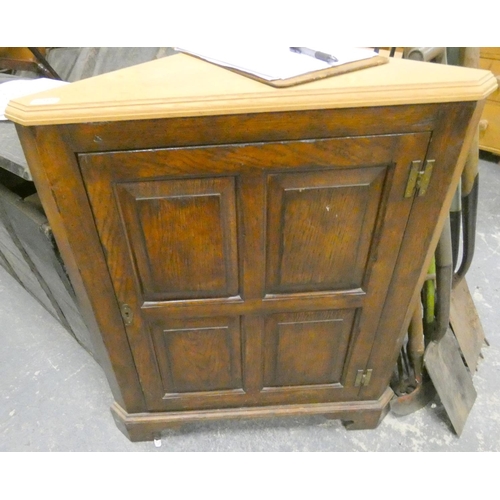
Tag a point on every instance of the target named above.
point(19, 262)
point(28, 247)
point(466, 324)
point(451, 379)
point(6, 265)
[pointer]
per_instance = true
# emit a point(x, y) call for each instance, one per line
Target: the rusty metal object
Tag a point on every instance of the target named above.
point(414, 390)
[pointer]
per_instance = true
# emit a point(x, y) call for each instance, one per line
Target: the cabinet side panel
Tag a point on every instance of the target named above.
point(59, 185)
point(449, 147)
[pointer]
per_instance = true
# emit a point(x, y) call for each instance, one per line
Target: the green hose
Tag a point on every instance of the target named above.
point(429, 300)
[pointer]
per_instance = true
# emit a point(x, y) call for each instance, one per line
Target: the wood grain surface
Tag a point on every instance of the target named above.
point(181, 86)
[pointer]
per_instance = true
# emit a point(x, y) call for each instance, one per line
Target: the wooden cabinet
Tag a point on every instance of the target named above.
point(252, 263)
point(489, 130)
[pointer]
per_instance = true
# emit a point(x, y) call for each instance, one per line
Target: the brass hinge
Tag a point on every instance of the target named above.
point(363, 378)
point(127, 314)
point(418, 180)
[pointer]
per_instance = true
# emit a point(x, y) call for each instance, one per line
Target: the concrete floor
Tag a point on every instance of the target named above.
point(54, 396)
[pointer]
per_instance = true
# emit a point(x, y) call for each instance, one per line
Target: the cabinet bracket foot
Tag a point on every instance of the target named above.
point(145, 426)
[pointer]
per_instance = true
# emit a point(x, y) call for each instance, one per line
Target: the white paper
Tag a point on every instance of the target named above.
point(275, 63)
point(13, 89)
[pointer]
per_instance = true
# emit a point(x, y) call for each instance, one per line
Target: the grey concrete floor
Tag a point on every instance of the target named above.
point(55, 397)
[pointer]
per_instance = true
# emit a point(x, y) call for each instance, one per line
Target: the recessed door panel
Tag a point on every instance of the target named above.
point(198, 355)
point(182, 236)
point(306, 348)
point(319, 228)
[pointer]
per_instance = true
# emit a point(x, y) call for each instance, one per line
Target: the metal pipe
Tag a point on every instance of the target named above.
point(444, 276)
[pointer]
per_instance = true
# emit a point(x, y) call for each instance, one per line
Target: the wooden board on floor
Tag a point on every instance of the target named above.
point(28, 246)
point(466, 324)
point(451, 379)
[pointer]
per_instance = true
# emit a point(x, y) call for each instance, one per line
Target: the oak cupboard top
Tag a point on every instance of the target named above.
point(182, 86)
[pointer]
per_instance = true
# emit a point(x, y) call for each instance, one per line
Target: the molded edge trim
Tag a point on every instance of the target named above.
point(91, 101)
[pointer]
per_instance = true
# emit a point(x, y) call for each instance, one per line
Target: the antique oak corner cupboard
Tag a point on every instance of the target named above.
point(245, 251)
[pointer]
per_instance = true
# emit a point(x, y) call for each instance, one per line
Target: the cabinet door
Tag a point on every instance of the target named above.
point(252, 274)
